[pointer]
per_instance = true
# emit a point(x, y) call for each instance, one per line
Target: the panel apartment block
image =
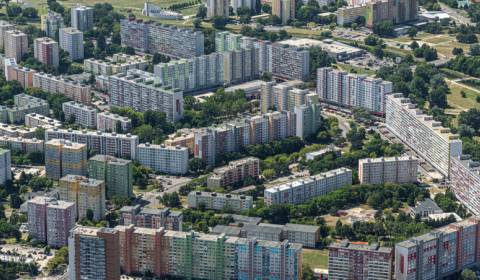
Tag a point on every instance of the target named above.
point(382, 170)
point(140, 91)
point(165, 159)
point(300, 191)
point(219, 201)
point(434, 143)
point(157, 38)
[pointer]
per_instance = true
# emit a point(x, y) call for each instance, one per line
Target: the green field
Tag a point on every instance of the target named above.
point(123, 5)
point(315, 258)
point(456, 100)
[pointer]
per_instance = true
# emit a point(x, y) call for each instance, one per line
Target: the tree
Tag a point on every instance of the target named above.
point(14, 10)
point(170, 200)
point(197, 23)
point(196, 165)
point(90, 214)
point(457, 51)
point(40, 184)
point(412, 32)
point(468, 274)
point(201, 12)
point(219, 22)
point(307, 273)
point(30, 12)
point(383, 28)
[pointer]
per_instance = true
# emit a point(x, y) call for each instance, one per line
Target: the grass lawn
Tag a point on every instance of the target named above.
point(315, 258)
point(456, 100)
point(355, 69)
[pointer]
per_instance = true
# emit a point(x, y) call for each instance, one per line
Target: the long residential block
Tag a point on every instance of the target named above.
point(139, 90)
point(76, 91)
point(164, 39)
point(20, 144)
point(300, 191)
point(118, 63)
point(112, 144)
point(219, 201)
point(166, 159)
point(109, 122)
point(151, 218)
point(352, 90)
point(465, 182)
point(427, 137)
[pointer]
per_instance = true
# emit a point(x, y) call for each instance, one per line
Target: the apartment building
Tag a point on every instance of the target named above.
point(19, 144)
point(4, 27)
point(191, 255)
point(23, 105)
point(81, 114)
point(306, 235)
point(112, 144)
point(235, 172)
point(302, 190)
point(157, 38)
point(16, 131)
point(432, 142)
point(151, 218)
point(465, 182)
point(46, 51)
point(219, 201)
point(15, 44)
point(192, 74)
point(439, 253)
point(117, 174)
point(51, 23)
point(250, 4)
point(109, 122)
point(348, 260)
point(184, 137)
point(218, 8)
point(86, 193)
point(308, 119)
point(71, 41)
point(5, 166)
point(398, 170)
point(352, 90)
point(139, 91)
point(15, 72)
point(284, 9)
point(63, 157)
point(231, 136)
point(74, 90)
point(282, 97)
point(82, 17)
point(239, 66)
point(94, 253)
point(118, 63)
point(376, 11)
point(290, 62)
point(50, 220)
point(37, 120)
point(165, 159)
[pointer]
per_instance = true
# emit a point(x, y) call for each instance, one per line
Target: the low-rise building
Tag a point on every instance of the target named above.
point(302, 190)
point(235, 172)
point(425, 208)
point(398, 170)
point(170, 160)
point(219, 201)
